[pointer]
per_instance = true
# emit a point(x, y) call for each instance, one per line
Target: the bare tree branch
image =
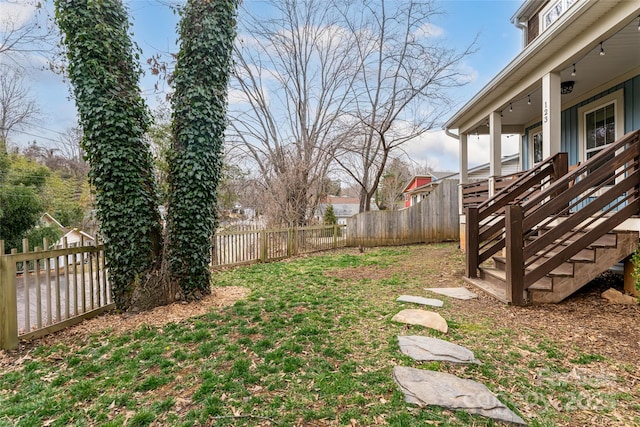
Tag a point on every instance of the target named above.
point(402, 87)
point(293, 75)
point(18, 108)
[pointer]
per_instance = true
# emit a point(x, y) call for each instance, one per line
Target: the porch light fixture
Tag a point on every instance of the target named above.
point(638, 22)
point(601, 49)
point(529, 100)
point(566, 87)
point(573, 73)
point(510, 107)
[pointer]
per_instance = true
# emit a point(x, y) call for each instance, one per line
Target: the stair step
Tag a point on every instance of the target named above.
point(565, 269)
point(497, 292)
point(585, 255)
point(608, 240)
point(499, 278)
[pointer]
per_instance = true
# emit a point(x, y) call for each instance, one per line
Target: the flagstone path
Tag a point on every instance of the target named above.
point(425, 318)
point(420, 300)
point(458, 293)
point(434, 349)
point(423, 387)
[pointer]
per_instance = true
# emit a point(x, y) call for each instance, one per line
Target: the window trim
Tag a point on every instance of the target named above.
point(545, 10)
point(530, 135)
point(617, 99)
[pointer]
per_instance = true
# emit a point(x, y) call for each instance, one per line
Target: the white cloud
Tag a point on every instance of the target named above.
point(14, 15)
point(429, 30)
point(441, 151)
point(434, 148)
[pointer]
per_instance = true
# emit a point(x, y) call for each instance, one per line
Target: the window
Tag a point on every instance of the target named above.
point(600, 123)
point(600, 129)
point(535, 146)
point(554, 10)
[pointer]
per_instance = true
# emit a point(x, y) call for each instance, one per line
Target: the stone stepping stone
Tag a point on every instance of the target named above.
point(424, 388)
point(458, 293)
point(429, 319)
point(420, 300)
point(430, 349)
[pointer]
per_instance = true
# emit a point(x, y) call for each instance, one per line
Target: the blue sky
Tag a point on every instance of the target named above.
point(154, 28)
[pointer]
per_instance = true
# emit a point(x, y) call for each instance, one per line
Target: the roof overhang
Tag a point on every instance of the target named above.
point(574, 38)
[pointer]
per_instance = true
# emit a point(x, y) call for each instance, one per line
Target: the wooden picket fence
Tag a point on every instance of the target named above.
point(46, 290)
point(235, 247)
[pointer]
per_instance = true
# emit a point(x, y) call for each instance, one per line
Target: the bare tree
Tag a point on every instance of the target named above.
point(396, 176)
point(402, 85)
point(18, 108)
point(26, 30)
point(291, 85)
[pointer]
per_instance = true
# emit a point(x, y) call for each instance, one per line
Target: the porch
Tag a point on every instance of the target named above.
point(550, 231)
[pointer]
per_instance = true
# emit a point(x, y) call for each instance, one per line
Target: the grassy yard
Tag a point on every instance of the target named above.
point(312, 344)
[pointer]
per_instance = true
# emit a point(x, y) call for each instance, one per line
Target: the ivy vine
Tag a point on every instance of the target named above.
point(104, 72)
point(207, 32)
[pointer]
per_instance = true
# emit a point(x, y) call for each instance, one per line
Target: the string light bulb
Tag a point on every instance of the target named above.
point(601, 49)
point(573, 73)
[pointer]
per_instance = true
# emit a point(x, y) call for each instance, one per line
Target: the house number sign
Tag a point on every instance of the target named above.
point(545, 112)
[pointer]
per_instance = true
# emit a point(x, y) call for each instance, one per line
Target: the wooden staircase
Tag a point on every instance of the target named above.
point(565, 279)
point(551, 231)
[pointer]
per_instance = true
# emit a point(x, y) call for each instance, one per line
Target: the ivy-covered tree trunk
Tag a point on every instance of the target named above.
point(103, 70)
point(207, 31)
point(104, 73)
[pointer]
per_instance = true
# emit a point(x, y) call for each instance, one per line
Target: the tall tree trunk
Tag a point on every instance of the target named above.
point(114, 119)
point(207, 31)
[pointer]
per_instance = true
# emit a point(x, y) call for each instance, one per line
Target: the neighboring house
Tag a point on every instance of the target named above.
point(343, 207)
point(574, 88)
point(510, 165)
point(73, 236)
point(414, 193)
point(420, 186)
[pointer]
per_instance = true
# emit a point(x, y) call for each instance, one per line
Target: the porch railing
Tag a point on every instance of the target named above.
point(474, 193)
point(546, 229)
point(486, 222)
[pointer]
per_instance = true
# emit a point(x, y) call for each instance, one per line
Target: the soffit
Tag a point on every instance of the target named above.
point(575, 40)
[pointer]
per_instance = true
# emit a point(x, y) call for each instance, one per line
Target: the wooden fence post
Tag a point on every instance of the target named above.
point(263, 246)
point(8, 302)
point(472, 243)
point(515, 257)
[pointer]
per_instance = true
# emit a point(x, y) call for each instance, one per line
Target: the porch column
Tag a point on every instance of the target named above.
point(495, 149)
point(551, 117)
point(464, 159)
point(464, 179)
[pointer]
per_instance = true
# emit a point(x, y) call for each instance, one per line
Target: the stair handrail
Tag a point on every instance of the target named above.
point(484, 235)
point(571, 213)
point(553, 165)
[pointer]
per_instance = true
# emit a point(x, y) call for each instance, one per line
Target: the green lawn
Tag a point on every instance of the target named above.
point(312, 345)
